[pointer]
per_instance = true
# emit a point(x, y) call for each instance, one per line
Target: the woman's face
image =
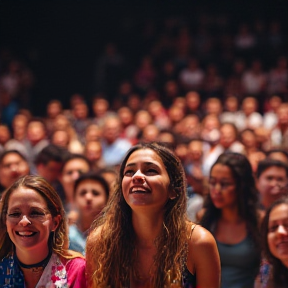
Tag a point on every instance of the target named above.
point(146, 181)
point(278, 233)
point(222, 187)
point(29, 222)
point(90, 198)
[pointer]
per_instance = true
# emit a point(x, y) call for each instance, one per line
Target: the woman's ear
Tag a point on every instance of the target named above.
point(55, 222)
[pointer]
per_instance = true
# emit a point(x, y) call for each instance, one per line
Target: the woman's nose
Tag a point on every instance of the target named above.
point(24, 221)
point(138, 177)
point(282, 230)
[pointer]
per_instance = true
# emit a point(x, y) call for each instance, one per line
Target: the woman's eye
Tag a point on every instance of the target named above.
point(128, 173)
point(152, 171)
point(96, 193)
point(37, 213)
point(272, 228)
point(14, 215)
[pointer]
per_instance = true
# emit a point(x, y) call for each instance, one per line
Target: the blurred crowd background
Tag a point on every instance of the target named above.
point(54, 49)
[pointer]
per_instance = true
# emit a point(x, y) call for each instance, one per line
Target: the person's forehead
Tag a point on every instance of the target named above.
point(12, 157)
point(76, 162)
point(275, 170)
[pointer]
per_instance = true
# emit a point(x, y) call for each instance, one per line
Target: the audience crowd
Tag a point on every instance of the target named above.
point(203, 92)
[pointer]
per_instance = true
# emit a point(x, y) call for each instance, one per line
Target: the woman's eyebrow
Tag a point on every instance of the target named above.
point(145, 163)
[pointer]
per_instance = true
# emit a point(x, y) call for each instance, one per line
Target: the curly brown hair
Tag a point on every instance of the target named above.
point(113, 254)
point(58, 240)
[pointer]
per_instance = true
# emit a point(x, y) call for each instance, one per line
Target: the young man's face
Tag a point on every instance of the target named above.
point(270, 184)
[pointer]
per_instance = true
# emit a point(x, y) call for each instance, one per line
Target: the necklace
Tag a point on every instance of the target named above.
point(38, 267)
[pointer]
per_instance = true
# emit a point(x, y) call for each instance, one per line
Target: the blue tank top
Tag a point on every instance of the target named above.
point(239, 263)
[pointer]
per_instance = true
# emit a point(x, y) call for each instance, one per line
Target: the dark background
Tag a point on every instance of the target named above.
point(61, 40)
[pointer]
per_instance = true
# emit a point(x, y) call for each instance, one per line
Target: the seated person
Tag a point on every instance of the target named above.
point(34, 239)
point(91, 193)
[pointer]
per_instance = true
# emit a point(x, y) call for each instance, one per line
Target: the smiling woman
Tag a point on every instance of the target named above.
point(143, 239)
point(33, 239)
point(274, 273)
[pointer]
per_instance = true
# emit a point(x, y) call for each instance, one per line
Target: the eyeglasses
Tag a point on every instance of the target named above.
point(38, 215)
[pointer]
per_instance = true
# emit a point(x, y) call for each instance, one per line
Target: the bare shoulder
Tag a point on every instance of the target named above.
point(201, 237)
point(203, 257)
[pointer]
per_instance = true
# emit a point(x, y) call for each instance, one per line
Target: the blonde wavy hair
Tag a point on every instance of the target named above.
point(58, 240)
point(113, 253)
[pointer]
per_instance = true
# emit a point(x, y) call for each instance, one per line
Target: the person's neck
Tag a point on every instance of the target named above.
point(84, 223)
point(147, 228)
point(230, 215)
point(30, 258)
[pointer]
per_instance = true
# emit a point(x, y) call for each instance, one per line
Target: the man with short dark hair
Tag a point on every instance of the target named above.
point(49, 162)
point(272, 177)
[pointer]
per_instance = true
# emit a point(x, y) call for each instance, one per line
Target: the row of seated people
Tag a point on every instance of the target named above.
point(235, 202)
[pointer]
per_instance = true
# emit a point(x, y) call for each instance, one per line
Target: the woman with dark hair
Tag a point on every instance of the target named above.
point(143, 238)
point(231, 215)
point(274, 272)
point(34, 239)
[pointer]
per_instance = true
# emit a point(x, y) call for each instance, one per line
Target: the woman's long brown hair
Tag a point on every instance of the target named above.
point(113, 252)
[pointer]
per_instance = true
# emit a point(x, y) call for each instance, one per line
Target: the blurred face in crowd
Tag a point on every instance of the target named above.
point(222, 187)
point(71, 171)
point(111, 129)
point(19, 126)
point(270, 184)
point(227, 135)
point(249, 105)
point(36, 132)
point(4, 134)
point(93, 151)
point(90, 198)
point(176, 114)
point(93, 133)
point(51, 171)
point(213, 106)
point(142, 119)
point(150, 133)
point(60, 138)
point(54, 109)
point(192, 100)
point(100, 107)
point(80, 111)
point(231, 104)
point(12, 167)
point(248, 139)
point(126, 116)
point(282, 114)
point(195, 150)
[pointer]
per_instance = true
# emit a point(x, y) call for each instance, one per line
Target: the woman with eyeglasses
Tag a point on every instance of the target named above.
point(231, 215)
point(34, 239)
